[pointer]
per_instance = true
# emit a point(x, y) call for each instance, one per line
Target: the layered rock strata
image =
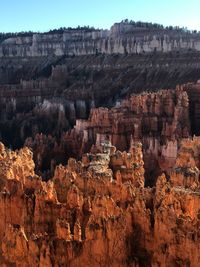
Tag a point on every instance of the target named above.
point(38, 90)
point(122, 38)
point(96, 210)
point(84, 68)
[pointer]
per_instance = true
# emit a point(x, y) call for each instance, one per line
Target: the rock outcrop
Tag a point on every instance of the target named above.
point(35, 93)
point(185, 173)
point(60, 77)
point(96, 132)
point(96, 212)
point(122, 38)
point(158, 120)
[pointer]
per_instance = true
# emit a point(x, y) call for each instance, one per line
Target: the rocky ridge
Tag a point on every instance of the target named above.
point(122, 38)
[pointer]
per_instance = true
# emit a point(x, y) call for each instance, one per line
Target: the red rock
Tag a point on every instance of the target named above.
point(97, 212)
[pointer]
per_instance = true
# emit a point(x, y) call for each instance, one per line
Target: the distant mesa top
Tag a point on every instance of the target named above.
point(126, 37)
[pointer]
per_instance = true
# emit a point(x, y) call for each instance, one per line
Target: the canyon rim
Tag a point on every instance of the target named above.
point(100, 147)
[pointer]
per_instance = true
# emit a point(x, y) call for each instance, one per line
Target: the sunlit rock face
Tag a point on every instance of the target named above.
point(73, 212)
point(97, 212)
point(122, 38)
point(107, 171)
point(186, 170)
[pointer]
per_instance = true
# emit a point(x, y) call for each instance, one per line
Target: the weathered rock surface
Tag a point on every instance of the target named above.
point(96, 212)
point(186, 170)
point(122, 38)
point(37, 92)
point(81, 69)
point(158, 120)
point(59, 77)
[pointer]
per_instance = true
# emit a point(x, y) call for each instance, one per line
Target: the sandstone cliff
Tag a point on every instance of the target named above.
point(122, 38)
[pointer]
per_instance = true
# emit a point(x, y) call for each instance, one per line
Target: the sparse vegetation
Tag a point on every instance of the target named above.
point(138, 24)
point(150, 25)
point(4, 36)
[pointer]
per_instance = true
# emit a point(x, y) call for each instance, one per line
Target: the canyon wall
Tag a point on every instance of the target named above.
point(159, 120)
point(122, 38)
point(96, 132)
point(34, 91)
point(47, 93)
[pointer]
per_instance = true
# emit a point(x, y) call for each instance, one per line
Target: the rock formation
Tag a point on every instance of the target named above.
point(96, 212)
point(186, 169)
point(158, 120)
point(35, 90)
point(100, 166)
point(122, 38)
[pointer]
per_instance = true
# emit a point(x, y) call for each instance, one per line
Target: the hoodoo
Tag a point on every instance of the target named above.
point(100, 147)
